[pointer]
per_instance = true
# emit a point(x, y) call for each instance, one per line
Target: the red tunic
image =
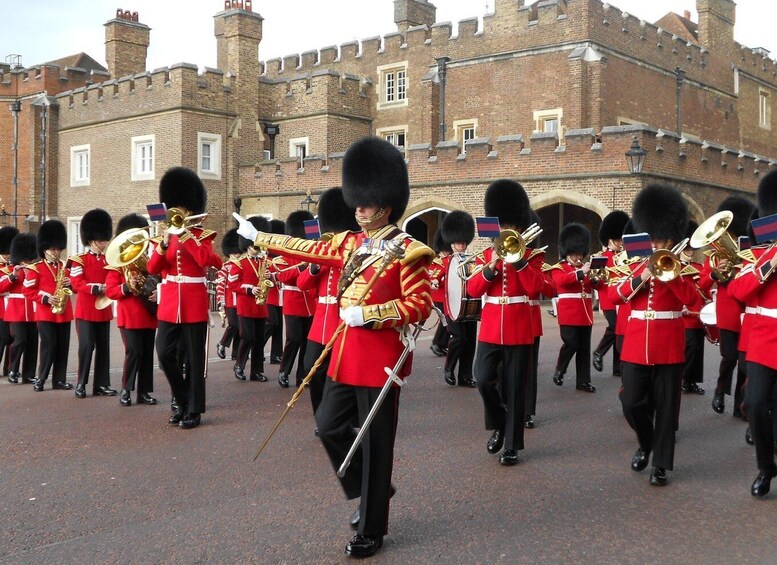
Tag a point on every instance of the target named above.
point(401, 296)
point(575, 291)
point(327, 315)
point(243, 278)
point(296, 302)
point(40, 282)
point(536, 261)
point(183, 293)
point(18, 308)
point(437, 272)
point(605, 302)
point(749, 287)
point(728, 310)
point(655, 334)
point(5, 270)
point(87, 274)
point(691, 319)
point(130, 311)
point(506, 318)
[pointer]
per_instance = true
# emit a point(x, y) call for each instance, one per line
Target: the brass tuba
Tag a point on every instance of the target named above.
point(128, 252)
point(713, 233)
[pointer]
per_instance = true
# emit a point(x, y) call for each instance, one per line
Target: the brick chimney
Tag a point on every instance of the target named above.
point(716, 25)
point(126, 44)
point(409, 13)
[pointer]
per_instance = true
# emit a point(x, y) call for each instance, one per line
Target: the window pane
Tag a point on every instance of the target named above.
point(401, 89)
point(206, 158)
point(550, 125)
point(389, 87)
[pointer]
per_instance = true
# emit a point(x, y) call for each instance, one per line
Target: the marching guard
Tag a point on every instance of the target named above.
point(437, 272)
point(7, 233)
point(693, 370)
point(375, 183)
point(273, 327)
point(182, 257)
point(226, 299)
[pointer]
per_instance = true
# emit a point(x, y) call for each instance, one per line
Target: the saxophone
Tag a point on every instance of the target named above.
point(265, 284)
point(61, 292)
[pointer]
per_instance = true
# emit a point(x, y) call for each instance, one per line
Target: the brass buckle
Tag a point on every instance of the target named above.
point(504, 300)
point(179, 279)
point(584, 295)
point(649, 314)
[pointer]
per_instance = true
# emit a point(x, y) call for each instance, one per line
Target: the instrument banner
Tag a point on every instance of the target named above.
point(744, 243)
point(598, 262)
point(765, 229)
point(312, 229)
point(488, 226)
point(157, 212)
point(638, 245)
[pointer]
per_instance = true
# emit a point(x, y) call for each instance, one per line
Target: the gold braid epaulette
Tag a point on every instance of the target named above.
point(416, 250)
point(77, 259)
point(34, 266)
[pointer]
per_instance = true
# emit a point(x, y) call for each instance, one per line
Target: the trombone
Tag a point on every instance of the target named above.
point(713, 233)
point(510, 246)
point(664, 265)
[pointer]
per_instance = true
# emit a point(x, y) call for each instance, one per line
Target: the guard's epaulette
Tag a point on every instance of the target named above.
point(337, 239)
point(34, 265)
point(415, 250)
point(111, 268)
point(535, 252)
point(206, 234)
point(236, 260)
point(78, 259)
point(547, 267)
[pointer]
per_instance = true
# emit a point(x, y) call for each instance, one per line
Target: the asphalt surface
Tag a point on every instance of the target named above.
point(89, 481)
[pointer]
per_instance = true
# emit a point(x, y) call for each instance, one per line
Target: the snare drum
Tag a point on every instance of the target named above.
point(709, 318)
point(459, 306)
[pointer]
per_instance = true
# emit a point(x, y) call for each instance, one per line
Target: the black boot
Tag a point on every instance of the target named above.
point(124, 398)
point(283, 380)
point(558, 378)
point(718, 402)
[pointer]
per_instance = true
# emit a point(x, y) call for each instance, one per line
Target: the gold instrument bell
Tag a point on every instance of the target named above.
point(713, 233)
point(127, 249)
point(177, 219)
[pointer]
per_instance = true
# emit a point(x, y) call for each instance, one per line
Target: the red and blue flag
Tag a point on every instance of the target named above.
point(312, 229)
point(488, 226)
point(638, 245)
point(765, 229)
point(157, 212)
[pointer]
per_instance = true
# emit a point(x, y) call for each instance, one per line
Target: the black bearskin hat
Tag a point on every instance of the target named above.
point(750, 233)
point(507, 200)
point(438, 242)
point(277, 226)
point(612, 226)
point(375, 174)
point(295, 223)
point(334, 215)
point(23, 248)
point(52, 233)
point(182, 188)
point(628, 229)
point(96, 225)
point(260, 223)
point(574, 238)
point(692, 227)
point(458, 227)
point(7, 233)
point(230, 243)
point(131, 221)
point(742, 209)
point(661, 211)
point(767, 195)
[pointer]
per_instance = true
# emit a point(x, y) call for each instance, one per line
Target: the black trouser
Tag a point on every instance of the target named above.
point(189, 392)
point(25, 343)
point(297, 328)
point(577, 343)
point(138, 359)
point(54, 350)
point(369, 474)
point(503, 402)
point(251, 332)
point(312, 353)
point(693, 370)
point(650, 398)
point(461, 348)
point(740, 394)
point(5, 345)
point(530, 404)
point(232, 331)
point(608, 340)
point(729, 355)
point(761, 399)
point(273, 328)
point(94, 337)
point(441, 335)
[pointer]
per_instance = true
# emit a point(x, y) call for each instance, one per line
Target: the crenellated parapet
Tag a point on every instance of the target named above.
point(48, 78)
point(584, 154)
point(181, 85)
point(325, 90)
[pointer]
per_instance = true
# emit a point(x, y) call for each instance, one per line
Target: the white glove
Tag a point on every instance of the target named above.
point(352, 316)
point(245, 228)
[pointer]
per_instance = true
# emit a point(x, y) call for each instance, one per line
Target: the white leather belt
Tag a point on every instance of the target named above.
point(751, 310)
point(15, 295)
point(327, 300)
point(507, 299)
point(574, 295)
point(184, 279)
point(768, 312)
point(654, 315)
point(287, 287)
point(534, 302)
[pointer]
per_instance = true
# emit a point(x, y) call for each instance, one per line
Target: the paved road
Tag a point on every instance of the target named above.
point(88, 481)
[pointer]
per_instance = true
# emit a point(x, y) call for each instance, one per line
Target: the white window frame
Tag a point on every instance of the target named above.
point(74, 245)
point(543, 117)
point(79, 177)
point(392, 85)
point(736, 80)
point(764, 109)
point(297, 143)
point(143, 157)
point(213, 141)
point(460, 129)
point(390, 133)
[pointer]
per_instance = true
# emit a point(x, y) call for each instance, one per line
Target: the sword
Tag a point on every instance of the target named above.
point(392, 379)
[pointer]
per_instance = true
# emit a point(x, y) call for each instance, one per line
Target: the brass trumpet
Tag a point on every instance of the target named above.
point(713, 233)
point(176, 218)
point(664, 265)
point(510, 246)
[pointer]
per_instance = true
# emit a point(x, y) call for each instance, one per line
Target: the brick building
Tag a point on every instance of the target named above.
point(551, 94)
